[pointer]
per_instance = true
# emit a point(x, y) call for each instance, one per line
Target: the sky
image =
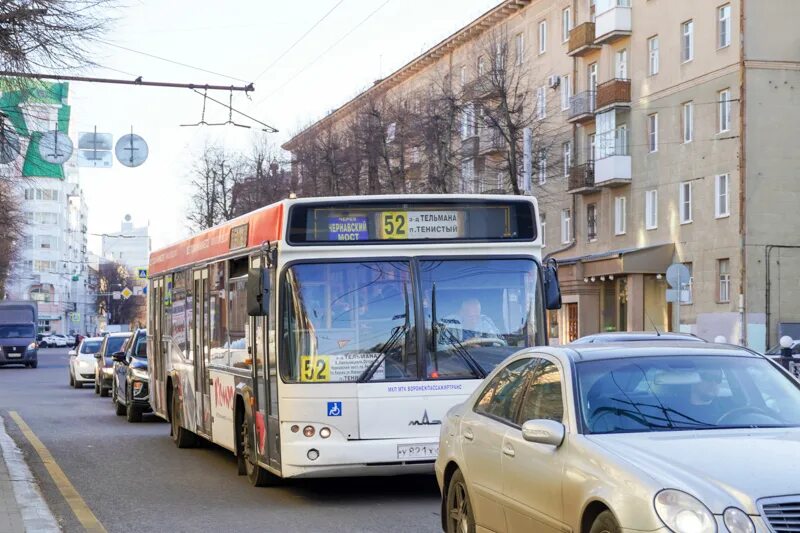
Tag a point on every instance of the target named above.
point(340, 57)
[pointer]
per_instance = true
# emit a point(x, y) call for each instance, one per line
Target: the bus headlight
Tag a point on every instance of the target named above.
point(325, 433)
point(309, 431)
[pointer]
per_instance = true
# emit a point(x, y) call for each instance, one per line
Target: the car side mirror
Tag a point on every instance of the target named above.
point(547, 432)
point(552, 289)
point(72, 353)
point(119, 357)
point(258, 287)
point(98, 356)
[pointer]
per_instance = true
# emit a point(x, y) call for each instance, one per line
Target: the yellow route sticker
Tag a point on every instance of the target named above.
point(315, 368)
point(394, 225)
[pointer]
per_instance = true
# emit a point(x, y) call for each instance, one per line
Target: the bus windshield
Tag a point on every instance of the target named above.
point(354, 321)
point(478, 312)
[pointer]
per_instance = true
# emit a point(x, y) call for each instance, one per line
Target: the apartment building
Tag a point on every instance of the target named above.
point(680, 119)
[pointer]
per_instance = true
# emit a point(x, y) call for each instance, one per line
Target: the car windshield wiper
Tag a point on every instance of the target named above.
point(441, 327)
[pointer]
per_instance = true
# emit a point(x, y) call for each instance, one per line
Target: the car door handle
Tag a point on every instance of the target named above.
point(468, 434)
point(508, 450)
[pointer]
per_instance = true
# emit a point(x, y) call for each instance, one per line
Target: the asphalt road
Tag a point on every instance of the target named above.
point(134, 478)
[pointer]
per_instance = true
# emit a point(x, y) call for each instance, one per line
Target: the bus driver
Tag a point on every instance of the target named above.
point(470, 323)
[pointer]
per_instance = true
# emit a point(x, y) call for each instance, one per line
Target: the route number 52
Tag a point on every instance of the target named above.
point(395, 225)
point(314, 368)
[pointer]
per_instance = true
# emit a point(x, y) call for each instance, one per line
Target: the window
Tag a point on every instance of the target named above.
point(500, 56)
point(481, 65)
point(592, 10)
point(542, 167)
point(724, 113)
point(724, 26)
point(543, 400)
point(620, 215)
point(542, 36)
point(27, 241)
point(544, 229)
point(652, 56)
point(501, 396)
point(566, 226)
point(591, 142)
point(519, 42)
point(723, 268)
point(47, 242)
point(45, 266)
point(566, 24)
point(591, 222)
point(237, 323)
point(566, 91)
point(687, 41)
point(592, 78)
point(566, 150)
point(468, 175)
point(621, 64)
point(721, 204)
point(652, 132)
point(688, 122)
point(685, 202)
point(468, 121)
point(541, 102)
point(651, 209)
point(463, 75)
point(391, 130)
point(686, 297)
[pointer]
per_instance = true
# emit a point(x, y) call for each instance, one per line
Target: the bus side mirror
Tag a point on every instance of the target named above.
point(552, 290)
point(258, 286)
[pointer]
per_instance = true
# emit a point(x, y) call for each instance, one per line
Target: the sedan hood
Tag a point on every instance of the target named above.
point(139, 364)
point(720, 467)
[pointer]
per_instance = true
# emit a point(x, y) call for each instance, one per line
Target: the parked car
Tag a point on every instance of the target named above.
point(659, 436)
point(630, 336)
point(103, 368)
point(130, 389)
point(70, 340)
point(82, 362)
point(53, 340)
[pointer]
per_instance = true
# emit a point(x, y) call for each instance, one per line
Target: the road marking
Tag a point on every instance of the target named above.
point(82, 512)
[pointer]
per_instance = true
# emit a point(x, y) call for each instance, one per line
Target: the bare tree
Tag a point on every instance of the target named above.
point(114, 277)
point(13, 225)
point(214, 177)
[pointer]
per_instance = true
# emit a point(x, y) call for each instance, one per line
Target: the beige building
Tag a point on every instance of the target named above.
point(670, 139)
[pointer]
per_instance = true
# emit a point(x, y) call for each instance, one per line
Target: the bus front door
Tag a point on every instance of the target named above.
point(202, 404)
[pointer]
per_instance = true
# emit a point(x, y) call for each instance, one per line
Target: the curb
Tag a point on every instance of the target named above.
point(36, 514)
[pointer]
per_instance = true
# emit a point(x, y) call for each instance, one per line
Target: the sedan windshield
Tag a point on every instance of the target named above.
point(90, 346)
point(21, 331)
point(681, 393)
point(114, 345)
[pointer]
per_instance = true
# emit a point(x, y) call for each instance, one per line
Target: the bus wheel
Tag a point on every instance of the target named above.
point(257, 476)
point(182, 437)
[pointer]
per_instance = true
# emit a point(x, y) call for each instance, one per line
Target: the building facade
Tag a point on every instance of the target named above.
point(130, 246)
point(669, 140)
point(51, 267)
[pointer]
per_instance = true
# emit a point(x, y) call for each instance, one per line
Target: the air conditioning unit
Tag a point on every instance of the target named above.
point(554, 81)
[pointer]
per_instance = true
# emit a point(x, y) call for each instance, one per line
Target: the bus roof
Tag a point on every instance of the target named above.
point(266, 224)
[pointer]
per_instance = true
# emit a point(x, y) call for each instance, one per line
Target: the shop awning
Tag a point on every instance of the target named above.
point(647, 260)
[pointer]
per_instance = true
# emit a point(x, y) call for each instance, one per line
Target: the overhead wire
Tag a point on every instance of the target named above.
point(317, 23)
point(324, 52)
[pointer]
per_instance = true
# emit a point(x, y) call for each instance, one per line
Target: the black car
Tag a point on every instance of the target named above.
point(130, 388)
point(103, 368)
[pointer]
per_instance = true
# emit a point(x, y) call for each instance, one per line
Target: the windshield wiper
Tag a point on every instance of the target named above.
point(438, 326)
point(398, 331)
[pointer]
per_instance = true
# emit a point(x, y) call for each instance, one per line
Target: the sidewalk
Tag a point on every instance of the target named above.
point(22, 507)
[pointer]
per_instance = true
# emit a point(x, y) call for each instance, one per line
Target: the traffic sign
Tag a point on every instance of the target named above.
point(55, 147)
point(678, 275)
point(131, 150)
point(126, 293)
point(94, 149)
point(141, 272)
point(116, 295)
point(75, 317)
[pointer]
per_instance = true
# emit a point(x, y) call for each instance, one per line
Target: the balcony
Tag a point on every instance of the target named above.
point(582, 106)
point(612, 94)
point(581, 40)
point(581, 179)
point(491, 142)
point(613, 22)
point(480, 88)
point(469, 147)
point(612, 166)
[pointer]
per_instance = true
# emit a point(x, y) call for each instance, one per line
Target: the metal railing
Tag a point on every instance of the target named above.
point(581, 177)
point(582, 104)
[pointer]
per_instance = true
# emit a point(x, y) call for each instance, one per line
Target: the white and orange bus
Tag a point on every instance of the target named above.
point(329, 336)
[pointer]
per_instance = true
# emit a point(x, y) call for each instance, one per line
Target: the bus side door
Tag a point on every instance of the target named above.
point(200, 350)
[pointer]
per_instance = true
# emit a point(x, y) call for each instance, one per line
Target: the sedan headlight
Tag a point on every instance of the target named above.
point(737, 521)
point(138, 374)
point(683, 513)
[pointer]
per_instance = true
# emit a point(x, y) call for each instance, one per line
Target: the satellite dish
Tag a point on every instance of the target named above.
point(9, 146)
point(131, 150)
point(55, 147)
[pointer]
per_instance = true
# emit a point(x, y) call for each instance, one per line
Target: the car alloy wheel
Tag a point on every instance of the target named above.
point(459, 508)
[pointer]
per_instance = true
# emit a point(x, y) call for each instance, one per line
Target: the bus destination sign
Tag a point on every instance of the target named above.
point(421, 224)
point(348, 228)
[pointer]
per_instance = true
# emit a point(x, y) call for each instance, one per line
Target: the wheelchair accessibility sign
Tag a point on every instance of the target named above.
point(334, 408)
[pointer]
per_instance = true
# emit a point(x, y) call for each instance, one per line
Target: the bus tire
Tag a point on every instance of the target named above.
point(257, 476)
point(182, 437)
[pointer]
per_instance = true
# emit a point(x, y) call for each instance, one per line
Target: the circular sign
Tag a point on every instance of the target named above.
point(131, 150)
point(9, 146)
point(678, 275)
point(55, 147)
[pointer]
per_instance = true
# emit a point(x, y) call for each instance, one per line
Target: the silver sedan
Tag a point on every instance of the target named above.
point(669, 436)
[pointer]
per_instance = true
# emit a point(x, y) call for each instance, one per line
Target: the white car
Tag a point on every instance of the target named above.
point(53, 340)
point(82, 362)
point(682, 437)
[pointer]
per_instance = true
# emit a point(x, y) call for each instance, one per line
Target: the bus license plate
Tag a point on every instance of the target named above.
point(418, 451)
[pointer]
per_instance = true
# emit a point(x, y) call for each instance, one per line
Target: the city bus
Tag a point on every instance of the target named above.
point(326, 337)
